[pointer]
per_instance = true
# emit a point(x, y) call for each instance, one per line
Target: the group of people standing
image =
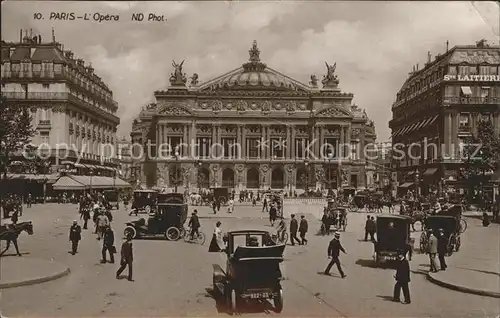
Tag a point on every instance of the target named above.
point(102, 218)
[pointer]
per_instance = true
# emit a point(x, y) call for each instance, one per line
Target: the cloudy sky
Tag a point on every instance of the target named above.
point(374, 44)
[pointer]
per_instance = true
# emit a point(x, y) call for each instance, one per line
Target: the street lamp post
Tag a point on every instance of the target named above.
point(176, 179)
point(199, 178)
point(417, 181)
point(306, 164)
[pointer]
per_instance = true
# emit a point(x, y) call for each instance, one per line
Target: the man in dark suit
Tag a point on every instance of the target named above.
point(441, 249)
point(127, 257)
point(75, 235)
point(334, 249)
point(294, 227)
point(303, 227)
point(108, 244)
point(367, 227)
point(402, 279)
point(194, 224)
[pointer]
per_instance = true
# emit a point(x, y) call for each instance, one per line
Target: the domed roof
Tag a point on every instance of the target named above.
point(252, 74)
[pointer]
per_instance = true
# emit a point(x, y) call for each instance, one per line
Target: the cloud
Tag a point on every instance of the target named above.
point(374, 44)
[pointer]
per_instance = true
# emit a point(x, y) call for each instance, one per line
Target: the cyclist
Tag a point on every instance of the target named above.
point(194, 224)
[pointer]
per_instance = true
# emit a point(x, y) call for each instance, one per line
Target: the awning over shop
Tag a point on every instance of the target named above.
point(406, 185)
point(50, 178)
point(89, 166)
point(72, 182)
point(430, 171)
point(68, 183)
point(466, 90)
point(79, 165)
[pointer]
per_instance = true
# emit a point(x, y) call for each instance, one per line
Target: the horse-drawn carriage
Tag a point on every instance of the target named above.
point(358, 202)
point(168, 220)
point(252, 270)
point(450, 223)
point(393, 237)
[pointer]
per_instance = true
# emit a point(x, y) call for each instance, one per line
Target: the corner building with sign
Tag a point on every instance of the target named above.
point(272, 117)
point(443, 103)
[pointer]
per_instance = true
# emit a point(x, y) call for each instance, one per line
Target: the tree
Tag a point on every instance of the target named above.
point(481, 155)
point(15, 133)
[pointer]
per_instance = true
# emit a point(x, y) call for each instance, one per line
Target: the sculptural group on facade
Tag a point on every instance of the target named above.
point(330, 79)
point(177, 77)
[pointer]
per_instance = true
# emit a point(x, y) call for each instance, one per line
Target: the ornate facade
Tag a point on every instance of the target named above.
point(252, 128)
point(69, 103)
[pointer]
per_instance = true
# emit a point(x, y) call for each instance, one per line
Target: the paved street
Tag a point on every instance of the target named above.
point(174, 278)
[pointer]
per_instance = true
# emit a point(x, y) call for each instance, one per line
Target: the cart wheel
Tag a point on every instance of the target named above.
point(147, 209)
point(172, 233)
point(129, 230)
point(285, 238)
point(201, 238)
point(457, 245)
point(278, 301)
point(451, 245)
point(423, 243)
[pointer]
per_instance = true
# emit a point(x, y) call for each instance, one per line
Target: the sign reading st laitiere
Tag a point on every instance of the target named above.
point(473, 78)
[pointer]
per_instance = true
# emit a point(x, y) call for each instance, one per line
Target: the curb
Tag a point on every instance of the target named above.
point(460, 288)
point(35, 281)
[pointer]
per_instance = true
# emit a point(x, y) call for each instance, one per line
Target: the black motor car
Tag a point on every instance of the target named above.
point(168, 220)
point(393, 236)
point(252, 269)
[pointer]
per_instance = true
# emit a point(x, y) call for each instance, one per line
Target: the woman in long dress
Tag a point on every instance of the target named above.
point(217, 243)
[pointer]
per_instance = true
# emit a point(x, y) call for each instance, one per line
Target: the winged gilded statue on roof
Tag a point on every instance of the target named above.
point(177, 77)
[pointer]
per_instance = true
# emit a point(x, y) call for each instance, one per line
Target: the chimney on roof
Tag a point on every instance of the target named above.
point(39, 38)
point(53, 36)
point(20, 35)
point(447, 44)
point(417, 66)
point(429, 57)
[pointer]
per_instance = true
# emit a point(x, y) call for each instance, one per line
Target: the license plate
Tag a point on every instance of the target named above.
point(390, 258)
point(259, 295)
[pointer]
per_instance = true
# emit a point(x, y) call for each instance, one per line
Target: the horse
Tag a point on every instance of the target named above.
point(11, 232)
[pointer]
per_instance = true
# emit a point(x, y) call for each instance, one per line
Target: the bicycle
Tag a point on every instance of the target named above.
point(199, 239)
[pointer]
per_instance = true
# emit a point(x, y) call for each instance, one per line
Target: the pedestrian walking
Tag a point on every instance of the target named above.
point(75, 235)
point(273, 214)
point(108, 245)
point(432, 250)
point(127, 258)
point(29, 200)
point(217, 243)
point(230, 206)
point(194, 224)
point(264, 205)
point(102, 222)
point(15, 216)
point(85, 215)
point(334, 249)
point(441, 249)
point(373, 228)
point(294, 227)
point(402, 279)
point(367, 227)
point(303, 227)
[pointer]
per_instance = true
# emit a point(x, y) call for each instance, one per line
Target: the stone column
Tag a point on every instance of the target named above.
point(243, 142)
point(292, 144)
point(288, 153)
point(192, 138)
point(219, 140)
point(447, 133)
point(184, 139)
point(322, 150)
point(238, 140)
point(342, 147)
point(318, 141)
point(214, 140)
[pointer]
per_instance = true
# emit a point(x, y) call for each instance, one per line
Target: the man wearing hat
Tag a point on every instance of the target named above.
point(75, 235)
point(432, 250)
point(402, 279)
point(294, 227)
point(303, 227)
point(441, 249)
point(127, 257)
point(334, 249)
point(194, 224)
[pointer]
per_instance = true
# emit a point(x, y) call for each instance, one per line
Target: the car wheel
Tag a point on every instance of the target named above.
point(147, 208)
point(172, 234)
point(457, 245)
point(129, 230)
point(278, 301)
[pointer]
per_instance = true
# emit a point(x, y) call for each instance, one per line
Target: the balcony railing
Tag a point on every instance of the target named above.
point(36, 95)
point(471, 100)
point(44, 122)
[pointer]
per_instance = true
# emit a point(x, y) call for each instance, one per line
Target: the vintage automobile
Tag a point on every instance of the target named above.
point(252, 269)
point(393, 236)
point(168, 220)
point(144, 201)
point(451, 229)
